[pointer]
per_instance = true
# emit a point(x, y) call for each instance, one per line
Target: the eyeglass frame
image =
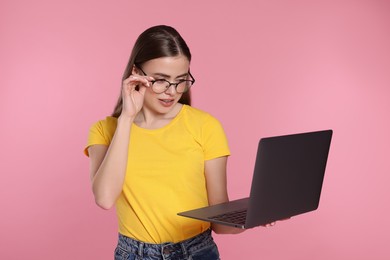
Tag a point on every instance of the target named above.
point(192, 80)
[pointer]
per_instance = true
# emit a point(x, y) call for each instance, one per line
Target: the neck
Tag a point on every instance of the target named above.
point(151, 120)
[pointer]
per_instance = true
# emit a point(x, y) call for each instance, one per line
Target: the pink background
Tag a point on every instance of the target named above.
point(262, 67)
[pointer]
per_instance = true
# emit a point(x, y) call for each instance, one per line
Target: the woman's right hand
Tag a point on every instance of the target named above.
point(133, 93)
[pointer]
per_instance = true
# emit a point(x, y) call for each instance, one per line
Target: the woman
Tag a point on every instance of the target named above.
point(157, 156)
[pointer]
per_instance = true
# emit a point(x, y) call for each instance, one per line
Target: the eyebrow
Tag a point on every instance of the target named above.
point(168, 76)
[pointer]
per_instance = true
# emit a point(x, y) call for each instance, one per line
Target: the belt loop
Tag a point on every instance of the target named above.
point(184, 249)
point(140, 249)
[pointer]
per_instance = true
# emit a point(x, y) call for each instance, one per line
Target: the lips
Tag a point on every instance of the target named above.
point(166, 102)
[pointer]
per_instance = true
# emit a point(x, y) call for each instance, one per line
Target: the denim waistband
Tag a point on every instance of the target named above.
point(178, 250)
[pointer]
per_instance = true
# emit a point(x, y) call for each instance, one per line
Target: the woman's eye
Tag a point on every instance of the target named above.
point(181, 80)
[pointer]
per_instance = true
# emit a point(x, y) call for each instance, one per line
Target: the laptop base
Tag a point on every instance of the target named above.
point(209, 212)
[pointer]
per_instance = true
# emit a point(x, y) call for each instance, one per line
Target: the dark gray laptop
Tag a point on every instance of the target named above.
point(287, 181)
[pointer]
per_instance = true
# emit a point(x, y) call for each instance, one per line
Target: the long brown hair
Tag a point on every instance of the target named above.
point(156, 42)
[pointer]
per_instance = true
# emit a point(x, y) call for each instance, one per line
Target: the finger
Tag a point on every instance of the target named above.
point(142, 90)
point(128, 80)
point(270, 224)
point(135, 79)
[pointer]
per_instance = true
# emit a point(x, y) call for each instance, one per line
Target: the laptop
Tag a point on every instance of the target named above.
point(287, 181)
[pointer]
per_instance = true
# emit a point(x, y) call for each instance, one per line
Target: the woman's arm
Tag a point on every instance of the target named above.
point(215, 171)
point(108, 164)
point(216, 182)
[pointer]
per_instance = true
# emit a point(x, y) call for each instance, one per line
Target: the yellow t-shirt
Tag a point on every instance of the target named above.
point(165, 174)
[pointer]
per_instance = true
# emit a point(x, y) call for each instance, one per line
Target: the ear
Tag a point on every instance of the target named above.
point(135, 70)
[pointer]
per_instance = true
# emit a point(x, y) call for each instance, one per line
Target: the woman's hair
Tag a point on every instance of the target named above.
point(156, 42)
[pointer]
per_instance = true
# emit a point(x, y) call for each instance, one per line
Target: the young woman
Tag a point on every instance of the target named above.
point(157, 156)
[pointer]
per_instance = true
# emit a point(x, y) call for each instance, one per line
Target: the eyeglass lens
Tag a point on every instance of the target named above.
point(160, 86)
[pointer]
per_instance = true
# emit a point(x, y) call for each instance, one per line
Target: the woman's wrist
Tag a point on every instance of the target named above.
point(122, 119)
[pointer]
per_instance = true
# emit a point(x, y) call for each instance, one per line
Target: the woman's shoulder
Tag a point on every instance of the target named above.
point(204, 127)
point(107, 124)
point(196, 113)
point(199, 117)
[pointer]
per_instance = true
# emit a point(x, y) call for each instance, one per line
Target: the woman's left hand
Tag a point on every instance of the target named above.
point(269, 224)
point(274, 223)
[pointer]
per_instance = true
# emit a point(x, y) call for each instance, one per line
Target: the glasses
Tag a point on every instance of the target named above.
point(161, 85)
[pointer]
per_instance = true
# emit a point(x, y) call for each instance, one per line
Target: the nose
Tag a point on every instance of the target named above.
point(171, 90)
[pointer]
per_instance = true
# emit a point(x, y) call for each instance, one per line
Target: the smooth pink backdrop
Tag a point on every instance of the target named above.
point(262, 67)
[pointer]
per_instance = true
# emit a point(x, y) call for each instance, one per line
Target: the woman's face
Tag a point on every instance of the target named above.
point(172, 69)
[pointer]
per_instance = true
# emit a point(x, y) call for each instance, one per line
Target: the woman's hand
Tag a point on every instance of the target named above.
point(133, 93)
point(274, 223)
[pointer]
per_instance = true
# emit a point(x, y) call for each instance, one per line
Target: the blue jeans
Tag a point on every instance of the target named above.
point(200, 247)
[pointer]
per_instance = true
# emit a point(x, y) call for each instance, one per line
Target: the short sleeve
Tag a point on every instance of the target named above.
point(215, 143)
point(100, 133)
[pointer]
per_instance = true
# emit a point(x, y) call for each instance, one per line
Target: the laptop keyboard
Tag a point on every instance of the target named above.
point(236, 217)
